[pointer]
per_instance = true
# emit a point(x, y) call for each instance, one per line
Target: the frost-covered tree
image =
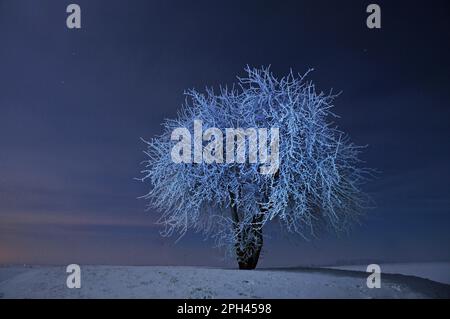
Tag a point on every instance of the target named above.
point(317, 182)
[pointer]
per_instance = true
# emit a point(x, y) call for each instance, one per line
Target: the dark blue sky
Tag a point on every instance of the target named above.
point(73, 104)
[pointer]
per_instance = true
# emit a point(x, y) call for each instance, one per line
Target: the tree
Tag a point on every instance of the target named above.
point(317, 181)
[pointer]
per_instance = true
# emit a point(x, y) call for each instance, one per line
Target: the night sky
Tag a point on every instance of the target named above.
point(74, 104)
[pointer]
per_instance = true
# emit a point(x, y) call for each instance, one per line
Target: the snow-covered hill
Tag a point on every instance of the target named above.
point(436, 271)
point(199, 282)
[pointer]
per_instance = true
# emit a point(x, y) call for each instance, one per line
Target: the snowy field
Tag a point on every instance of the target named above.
point(437, 271)
point(199, 282)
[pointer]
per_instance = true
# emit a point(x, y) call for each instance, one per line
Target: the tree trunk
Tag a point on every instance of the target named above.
point(249, 241)
point(248, 256)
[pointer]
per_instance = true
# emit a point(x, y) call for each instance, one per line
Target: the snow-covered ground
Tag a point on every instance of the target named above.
point(436, 271)
point(202, 282)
